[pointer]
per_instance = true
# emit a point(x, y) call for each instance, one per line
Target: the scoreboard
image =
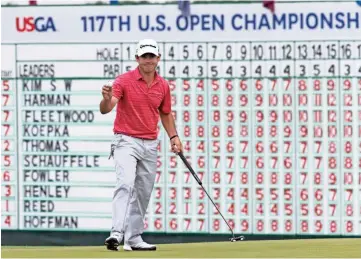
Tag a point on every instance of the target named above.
point(272, 126)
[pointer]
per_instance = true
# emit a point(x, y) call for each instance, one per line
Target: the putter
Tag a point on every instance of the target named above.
point(233, 238)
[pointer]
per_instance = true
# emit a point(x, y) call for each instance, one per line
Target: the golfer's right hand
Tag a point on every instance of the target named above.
point(107, 91)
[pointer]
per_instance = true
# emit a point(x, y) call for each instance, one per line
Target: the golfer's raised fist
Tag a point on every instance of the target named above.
point(107, 91)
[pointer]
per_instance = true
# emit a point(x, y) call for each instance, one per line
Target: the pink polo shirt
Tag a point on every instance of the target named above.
point(138, 106)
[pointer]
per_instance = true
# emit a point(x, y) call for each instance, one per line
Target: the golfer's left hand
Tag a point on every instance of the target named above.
point(176, 145)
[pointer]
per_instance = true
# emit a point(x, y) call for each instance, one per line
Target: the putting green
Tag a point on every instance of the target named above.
point(315, 248)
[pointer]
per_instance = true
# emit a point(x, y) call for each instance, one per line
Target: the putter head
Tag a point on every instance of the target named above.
point(234, 239)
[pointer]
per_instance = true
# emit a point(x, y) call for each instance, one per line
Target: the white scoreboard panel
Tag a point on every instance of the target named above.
point(272, 128)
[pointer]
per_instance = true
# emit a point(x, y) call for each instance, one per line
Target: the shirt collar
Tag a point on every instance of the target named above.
point(138, 75)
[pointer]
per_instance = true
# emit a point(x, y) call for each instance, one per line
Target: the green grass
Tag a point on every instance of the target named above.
point(315, 248)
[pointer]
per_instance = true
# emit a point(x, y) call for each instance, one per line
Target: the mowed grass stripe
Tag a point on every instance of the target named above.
point(305, 248)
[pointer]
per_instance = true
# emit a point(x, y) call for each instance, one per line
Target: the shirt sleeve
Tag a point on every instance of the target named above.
point(118, 87)
point(165, 106)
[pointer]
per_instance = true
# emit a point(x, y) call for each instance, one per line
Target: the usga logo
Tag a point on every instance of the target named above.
point(40, 24)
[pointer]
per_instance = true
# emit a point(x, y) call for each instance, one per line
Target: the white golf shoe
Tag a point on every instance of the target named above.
point(142, 246)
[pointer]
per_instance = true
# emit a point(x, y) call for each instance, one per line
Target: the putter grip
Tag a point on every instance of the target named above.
point(190, 168)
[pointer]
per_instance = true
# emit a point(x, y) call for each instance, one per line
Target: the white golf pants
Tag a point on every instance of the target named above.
point(135, 163)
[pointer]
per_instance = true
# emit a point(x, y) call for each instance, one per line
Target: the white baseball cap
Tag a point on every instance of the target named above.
point(147, 46)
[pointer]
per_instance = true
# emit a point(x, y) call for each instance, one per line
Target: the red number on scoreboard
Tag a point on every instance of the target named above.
point(158, 193)
point(8, 221)
point(158, 223)
point(304, 226)
point(304, 209)
point(260, 225)
point(288, 209)
point(259, 209)
point(216, 224)
point(200, 116)
point(244, 131)
point(230, 193)
point(7, 113)
point(333, 226)
point(245, 225)
point(6, 86)
point(260, 177)
point(201, 224)
point(349, 226)
point(244, 209)
point(332, 209)
point(288, 225)
point(274, 225)
point(318, 226)
point(318, 195)
point(6, 99)
point(200, 100)
point(229, 85)
point(173, 224)
point(6, 176)
point(244, 178)
point(186, 99)
point(173, 193)
point(243, 99)
point(8, 190)
point(349, 210)
point(243, 85)
point(187, 223)
point(259, 85)
point(201, 209)
point(259, 100)
point(318, 210)
point(186, 85)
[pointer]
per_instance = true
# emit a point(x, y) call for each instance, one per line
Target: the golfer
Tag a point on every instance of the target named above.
point(142, 97)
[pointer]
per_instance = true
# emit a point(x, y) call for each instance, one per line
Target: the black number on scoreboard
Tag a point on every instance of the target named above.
point(185, 52)
point(214, 71)
point(200, 71)
point(172, 71)
point(186, 71)
point(272, 70)
point(258, 70)
point(272, 52)
point(316, 70)
point(214, 47)
point(200, 52)
point(286, 51)
point(331, 51)
point(229, 71)
point(303, 70)
point(228, 52)
point(317, 51)
point(331, 70)
point(302, 51)
point(359, 51)
point(171, 52)
point(346, 51)
point(243, 71)
point(243, 52)
point(258, 52)
point(287, 70)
